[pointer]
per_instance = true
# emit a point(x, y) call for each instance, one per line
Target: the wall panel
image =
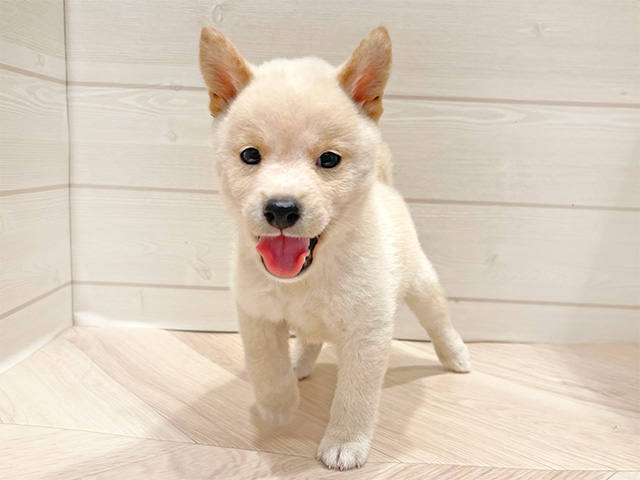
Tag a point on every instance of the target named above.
point(514, 127)
point(515, 49)
point(35, 250)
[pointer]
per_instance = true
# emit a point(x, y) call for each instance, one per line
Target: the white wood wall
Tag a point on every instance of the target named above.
point(514, 125)
point(35, 269)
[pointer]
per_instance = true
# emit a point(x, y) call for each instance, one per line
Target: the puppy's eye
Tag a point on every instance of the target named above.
point(250, 156)
point(328, 160)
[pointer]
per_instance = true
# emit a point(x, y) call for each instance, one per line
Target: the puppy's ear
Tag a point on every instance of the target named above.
point(224, 71)
point(365, 74)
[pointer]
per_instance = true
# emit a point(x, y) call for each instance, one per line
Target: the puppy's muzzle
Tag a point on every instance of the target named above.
point(282, 212)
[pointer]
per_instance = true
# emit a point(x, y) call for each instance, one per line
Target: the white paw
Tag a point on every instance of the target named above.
point(343, 456)
point(303, 369)
point(278, 409)
point(304, 357)
point(456, 357)
point(276, 417)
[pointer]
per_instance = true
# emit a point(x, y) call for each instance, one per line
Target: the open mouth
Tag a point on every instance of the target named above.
point(286, 257)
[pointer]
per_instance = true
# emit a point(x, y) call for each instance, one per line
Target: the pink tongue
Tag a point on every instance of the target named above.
point(284, 256)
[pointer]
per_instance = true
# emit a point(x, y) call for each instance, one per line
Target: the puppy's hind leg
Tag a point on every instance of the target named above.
point(304, 357)
point(427, 301)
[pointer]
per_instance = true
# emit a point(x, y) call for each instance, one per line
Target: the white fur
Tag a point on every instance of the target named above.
point(368, 256)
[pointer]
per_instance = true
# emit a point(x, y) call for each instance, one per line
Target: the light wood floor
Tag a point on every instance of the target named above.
point(117, 403)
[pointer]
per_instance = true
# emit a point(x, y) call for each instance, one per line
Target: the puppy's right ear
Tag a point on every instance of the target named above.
point(224, 70)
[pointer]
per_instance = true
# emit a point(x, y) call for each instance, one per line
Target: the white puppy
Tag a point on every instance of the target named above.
point(325, 246)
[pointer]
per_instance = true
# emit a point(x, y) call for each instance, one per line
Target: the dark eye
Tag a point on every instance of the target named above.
point(328, 160)
point(250, 156)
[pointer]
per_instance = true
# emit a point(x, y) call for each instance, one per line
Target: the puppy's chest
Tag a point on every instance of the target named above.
point(312, 315)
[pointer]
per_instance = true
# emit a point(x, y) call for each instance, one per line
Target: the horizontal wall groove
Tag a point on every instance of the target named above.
point(481, 203)
point(513, 101)
point(143, 189)
point(29, 73)
point(92, 283)
point(390, 96)
point(22, 191)
point(142, 86)
point(434, 201)
point(452, 299)
point(544, 303)
point(34, 300)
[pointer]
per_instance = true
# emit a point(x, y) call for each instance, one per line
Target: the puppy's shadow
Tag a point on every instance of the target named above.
point(408, 374)
point(226, 415)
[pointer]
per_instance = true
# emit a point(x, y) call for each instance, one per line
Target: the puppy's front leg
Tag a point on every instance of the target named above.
point(266, 350)
point(362, 366)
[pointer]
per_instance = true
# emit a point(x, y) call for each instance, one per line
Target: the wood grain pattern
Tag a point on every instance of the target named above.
point(533, 254)
point(523, 178)
point(141, 137)
point(214, 310)
point(36, 452)
point(114, 457)
point(155, 307)
point(547, 155)
point(32, 36)
point(490, 252)
point(30, 328)
point(35, 253)
point(150, 237)
point(518, 439)
point(72, 392)
point(201, 461)
point(481, 320)
point(526, 412)
point(504, 49)
point(568, 427)
point(626, 476)
point(595, 363)
point(33, 132)
point(209, 412)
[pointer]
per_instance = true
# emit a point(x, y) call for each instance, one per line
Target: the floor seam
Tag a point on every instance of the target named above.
point(160, 414)
point(188, 444)
point(183, 445)
point(130, 463)
point(97, 432)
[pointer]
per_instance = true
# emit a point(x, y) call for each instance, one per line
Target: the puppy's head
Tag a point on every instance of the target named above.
point(297, 145)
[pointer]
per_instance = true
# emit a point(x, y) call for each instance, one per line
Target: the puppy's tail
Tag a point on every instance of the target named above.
point(383, 164)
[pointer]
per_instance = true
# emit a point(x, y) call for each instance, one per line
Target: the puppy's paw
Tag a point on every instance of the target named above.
point(276, 417)
point(345, 455)
point(455, 357)
point(303, 368)
point(304, 357)
point(281, 405)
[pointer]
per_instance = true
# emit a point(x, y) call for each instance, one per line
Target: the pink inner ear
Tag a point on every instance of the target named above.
point(363, 89)
point(226, 88)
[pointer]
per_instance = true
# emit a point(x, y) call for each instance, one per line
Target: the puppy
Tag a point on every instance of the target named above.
point(325, 245)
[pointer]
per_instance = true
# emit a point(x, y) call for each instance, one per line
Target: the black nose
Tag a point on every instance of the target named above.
point(282, 212)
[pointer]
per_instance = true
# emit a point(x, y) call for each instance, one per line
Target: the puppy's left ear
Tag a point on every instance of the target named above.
point(365, 74)
point(224, 70)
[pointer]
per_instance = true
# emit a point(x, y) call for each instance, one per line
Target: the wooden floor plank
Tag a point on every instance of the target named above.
point(590, 373)
point(483, 411)
point(436, 410)
point(209, 405)
point(526, 412)
point(200, 462)
point(30, 452)
point(58, 386)
point(626, 476)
